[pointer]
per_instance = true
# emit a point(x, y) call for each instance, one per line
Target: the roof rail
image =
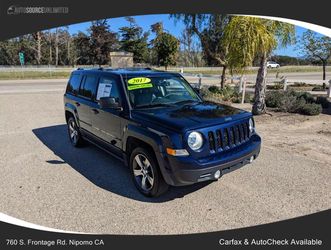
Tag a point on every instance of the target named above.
point(99, 68)
point(133, 68)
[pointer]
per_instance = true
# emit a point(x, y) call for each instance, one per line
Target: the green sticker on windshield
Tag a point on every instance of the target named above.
point(140, 86)
point(139, 80)
point(139, 83)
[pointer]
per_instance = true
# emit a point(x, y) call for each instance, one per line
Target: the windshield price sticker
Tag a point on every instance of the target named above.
point(139, 83)
point(139, 80)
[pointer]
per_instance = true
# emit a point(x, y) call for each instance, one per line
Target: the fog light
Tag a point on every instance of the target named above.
point(217, 174)
point(251, 159)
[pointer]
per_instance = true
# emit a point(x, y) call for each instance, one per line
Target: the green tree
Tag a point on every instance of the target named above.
point(134, 40)
point(81, 51)
point(190, 50)
point(9, 52)
point(316, 48)
point(102, 41)
point(276, 34)
point(210, 30)
point(165, 45)
point(248, 37)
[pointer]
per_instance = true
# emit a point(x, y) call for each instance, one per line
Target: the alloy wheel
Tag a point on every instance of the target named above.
point(73, 132)
point(143, 172)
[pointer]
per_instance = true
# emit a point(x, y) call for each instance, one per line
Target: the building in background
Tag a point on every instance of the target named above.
point(121, 59)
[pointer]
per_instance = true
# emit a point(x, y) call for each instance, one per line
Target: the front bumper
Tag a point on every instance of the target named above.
point(186, 170)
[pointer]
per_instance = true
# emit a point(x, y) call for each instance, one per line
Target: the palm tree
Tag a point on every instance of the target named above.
point(248, 37)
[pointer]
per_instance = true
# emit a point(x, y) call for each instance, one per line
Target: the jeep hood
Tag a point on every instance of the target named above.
point(189, 116)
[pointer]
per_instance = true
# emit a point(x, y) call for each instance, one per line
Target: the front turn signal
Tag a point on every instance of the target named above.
point(177, 152)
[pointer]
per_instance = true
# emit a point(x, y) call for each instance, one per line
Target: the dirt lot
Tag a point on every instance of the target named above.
point(307, 136)
point(44, 180)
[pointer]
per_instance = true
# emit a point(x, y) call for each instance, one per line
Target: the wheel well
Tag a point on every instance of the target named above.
point(133, 143)
point(68, 114)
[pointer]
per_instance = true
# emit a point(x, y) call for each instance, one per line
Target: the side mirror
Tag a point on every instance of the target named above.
point(109, 102)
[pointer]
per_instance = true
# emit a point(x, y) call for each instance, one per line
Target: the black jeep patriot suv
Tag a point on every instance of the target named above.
point(158, 125)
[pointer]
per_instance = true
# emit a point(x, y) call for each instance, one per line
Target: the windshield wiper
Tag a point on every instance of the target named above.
point(154, 105)
point(186, 101)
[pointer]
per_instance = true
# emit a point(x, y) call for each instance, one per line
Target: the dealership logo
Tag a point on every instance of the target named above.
point(11, 10)
point(14, 10)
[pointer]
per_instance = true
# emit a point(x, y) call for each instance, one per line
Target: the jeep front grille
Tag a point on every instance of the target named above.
point(228, 137)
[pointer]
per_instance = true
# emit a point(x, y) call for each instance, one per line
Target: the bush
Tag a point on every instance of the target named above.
point(319, 88)
point(300, 84)
point(228, 93)
point(293, 102)
point(214, 89)
point(311, 109)
point(276, 86)
point(309, 98)
point(273, 99)
point(249, 98)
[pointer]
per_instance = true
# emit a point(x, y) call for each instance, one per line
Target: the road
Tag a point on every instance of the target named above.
point(44, 180)
point(32, 86)
point(44, 85)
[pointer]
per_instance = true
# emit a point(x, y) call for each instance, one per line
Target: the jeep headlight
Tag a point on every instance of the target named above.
point(251, 126)
point(195, 140)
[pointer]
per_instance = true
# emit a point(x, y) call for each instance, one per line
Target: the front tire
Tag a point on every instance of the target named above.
point(73, 132)
point(146, 174)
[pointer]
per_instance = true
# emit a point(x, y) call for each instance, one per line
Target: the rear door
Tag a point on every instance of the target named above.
point(106, 122)
point(86, 105)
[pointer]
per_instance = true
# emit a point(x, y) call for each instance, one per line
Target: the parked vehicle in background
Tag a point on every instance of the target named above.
point(272, 65)
point(159, 126)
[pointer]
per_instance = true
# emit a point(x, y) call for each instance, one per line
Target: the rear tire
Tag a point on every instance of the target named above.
point(146, 174)
point(74, 133)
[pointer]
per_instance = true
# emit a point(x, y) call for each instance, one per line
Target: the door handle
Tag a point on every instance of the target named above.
point(95, 111)
point(77, 104)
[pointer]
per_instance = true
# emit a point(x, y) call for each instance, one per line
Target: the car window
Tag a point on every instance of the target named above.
point(74, 83)
point(108, 87)
point(89, 87)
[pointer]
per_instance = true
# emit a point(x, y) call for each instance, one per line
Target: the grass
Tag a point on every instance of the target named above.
point(13, 75)
point(35, 74)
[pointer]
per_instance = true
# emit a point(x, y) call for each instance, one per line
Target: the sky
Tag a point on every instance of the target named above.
point(173, 27)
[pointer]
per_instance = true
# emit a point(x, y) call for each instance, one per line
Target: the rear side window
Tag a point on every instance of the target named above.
point(73, 85)
point(89, 87)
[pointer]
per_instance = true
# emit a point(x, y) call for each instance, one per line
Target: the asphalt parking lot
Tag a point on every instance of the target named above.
point(44, 180)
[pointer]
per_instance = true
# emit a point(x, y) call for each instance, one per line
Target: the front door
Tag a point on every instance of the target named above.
point(106, 122)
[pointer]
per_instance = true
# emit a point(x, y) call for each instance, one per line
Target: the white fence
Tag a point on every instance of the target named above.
point(200, 80)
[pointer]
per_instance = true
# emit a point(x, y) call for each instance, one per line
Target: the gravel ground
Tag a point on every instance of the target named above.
point(47, 182)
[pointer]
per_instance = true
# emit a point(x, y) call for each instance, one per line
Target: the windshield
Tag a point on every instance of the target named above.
point(159, 91)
